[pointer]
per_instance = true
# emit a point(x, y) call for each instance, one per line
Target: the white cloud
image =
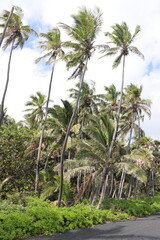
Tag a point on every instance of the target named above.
point(26, 77)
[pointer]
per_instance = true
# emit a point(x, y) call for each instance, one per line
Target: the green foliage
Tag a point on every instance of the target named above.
point(41, 217)
point(13, 160)
point(139, 207)
point(33, 216)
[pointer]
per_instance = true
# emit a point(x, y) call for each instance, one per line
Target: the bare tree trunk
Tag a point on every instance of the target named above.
point(129, 188)
point(42, 133)
point(112, 181)
point(114, 193)
point(6, 25)
point(121, 184)
point(6, 86)
point(130, 136)
point(93, 185)
point(46, 163)
point(105, 170)
point(68, 131)
point(78, 182)
point(4, 182)
point(135, 190)
point(152, 177)
point(139, 131)
point(103, 192)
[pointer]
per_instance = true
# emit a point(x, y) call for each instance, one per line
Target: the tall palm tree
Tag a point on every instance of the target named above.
point(35, 111)
point(6, 25)
point(109, 100)
point(16, 35)
point(85, 28)
point(121, 39)
point(52, 46)
point(58, 120)
point(87, 104)
point(135, 107)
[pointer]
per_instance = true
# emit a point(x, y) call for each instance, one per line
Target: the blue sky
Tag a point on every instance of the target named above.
point(27, 77)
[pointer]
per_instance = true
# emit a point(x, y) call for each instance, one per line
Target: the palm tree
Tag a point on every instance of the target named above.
point(134, 108)
point(85, 28)
point(35, 114)
point(121, 38)
point(109, 101)
point(87, 104)
point(6, 25)
point(58, 120)
point(16, 35)
point(53, 51)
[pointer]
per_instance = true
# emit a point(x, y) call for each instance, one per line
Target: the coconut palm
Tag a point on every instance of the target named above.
point(52, 46)
point(135, 107)
point(121, 39)
point(85, 28)
point(87, 104)
point(109, 100)
point(16, 35)
point(58, 120)
point(35, 114)
point(6, 25)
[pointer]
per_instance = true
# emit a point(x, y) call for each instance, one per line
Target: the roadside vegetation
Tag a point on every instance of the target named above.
point(23, 216)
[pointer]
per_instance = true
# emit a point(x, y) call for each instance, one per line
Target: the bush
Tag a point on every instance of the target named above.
point(37, 217)
point(140, 207)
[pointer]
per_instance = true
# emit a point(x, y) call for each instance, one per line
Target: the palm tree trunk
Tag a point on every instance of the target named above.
point(78, 182)
point(68, 131)
point(135, 190)
point(129, 188)
point(112, 181)
point(121, 184)
point(6, 86)
point(42, 133)
point(105, 170)
point(93, 185)
point(139, 131)
point(152, 176)
point(6, 25)
point(103, 192)
point(130, 136)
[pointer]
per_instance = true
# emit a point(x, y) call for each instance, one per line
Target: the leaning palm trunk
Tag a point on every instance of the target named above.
point(105, 170)
point(68, 131)
point(6, 86)
point(42, 133)
point(130, 135)
point(6, 25)
point(105, 184)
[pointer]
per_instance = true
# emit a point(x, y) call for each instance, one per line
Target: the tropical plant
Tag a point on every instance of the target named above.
point(6, 25)
point(87, 104)
point(85, 28)
point(53, 51)
point(121, 38)
point(108, 101)
point(16, 35)
point(134, 108)
point(35, 114)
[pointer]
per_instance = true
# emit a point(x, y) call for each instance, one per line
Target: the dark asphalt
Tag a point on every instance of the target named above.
point(142, 228)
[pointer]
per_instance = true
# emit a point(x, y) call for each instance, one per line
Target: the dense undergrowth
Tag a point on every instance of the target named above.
point(31, 216)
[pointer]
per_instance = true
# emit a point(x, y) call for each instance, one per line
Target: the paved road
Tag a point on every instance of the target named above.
point(142, 228)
